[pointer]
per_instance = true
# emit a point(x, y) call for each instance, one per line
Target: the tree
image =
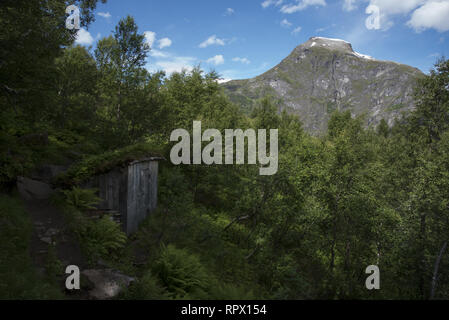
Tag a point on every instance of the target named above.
point(123, 84)
point(32, 37)
point(432, 102)
point(76, 82)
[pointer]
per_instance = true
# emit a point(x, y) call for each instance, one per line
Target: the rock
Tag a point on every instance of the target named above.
point(47, 240)
point(107, 283)
point(39, 226)
point(52, 232)
point(33, 190)
point(49, 235)
point(46, 173)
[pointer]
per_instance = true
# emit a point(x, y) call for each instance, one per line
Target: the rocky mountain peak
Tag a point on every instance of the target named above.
point(323, 75)
point(328, 43)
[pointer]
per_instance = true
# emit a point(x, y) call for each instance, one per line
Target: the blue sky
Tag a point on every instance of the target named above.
point(242, 39)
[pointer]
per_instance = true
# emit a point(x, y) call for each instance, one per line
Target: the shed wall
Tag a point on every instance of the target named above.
point(142, 193)
point(131, 191)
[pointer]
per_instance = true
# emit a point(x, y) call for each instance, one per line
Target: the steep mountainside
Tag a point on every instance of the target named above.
point(324, 75)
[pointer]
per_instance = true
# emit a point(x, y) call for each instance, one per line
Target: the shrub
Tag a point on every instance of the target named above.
point(229, 292)
point(181, 273)
point(82, 199)
point(53, 266)
point(146, 288)
point(102, 239)
point(99, 238)
point(18, 278)
point(98, 164)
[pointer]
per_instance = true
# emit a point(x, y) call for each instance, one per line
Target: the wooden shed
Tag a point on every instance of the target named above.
point(129, 191)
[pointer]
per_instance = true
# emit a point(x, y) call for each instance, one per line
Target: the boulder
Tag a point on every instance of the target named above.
point(46, 173)
point(107, 283)
point(33, 190)
point(49, 235)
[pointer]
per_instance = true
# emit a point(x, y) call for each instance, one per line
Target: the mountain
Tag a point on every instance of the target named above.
point(324, 75)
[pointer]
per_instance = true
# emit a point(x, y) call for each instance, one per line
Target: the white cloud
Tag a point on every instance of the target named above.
point(212, 40)
point(83, 37)
point(216, 60)
point(158, 54)
point(425, 14)
point(389, 7)
point(150, 37)
point(173, 64)
point(105, 15)
point(241, 60)
point(349, 5)
point(166, 61)
point(223, 80)
point(380, 12)
point(433, 14)
point(164, 43)
point(268, 3)
point(286, 24)
point(229, 12)
point(301, 5)
point(297, 30)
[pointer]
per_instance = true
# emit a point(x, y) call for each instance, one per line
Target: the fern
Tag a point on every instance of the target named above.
point(146, 288)
point(82, 199)
point(181, 272)
point(103, 239)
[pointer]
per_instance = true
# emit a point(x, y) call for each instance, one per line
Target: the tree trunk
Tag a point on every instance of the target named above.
point(422, 262)
point(119, 100)
point(435, 271)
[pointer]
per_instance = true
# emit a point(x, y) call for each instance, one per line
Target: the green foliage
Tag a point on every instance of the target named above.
point(53, 266)
point(383, 129)
point(32, 40)
point(146, 288)
point(99, 238)
point(124, 85)
point(396, 107)
point(76, 80)
point(82, 199)
point(432, 99)
point(15, 159)
point(181, 272)
point(230, 292)
point(102, 163)
point(102, 239)
point(19, 280)
point(265, 114)
point(331, 107)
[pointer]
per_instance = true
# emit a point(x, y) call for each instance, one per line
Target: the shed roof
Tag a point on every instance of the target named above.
point(147, 159)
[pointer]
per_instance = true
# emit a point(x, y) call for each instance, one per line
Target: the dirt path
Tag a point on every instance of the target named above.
point(49, 228)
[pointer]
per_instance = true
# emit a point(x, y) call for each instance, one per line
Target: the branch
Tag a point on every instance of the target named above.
point(252, 253)
point(238, 219)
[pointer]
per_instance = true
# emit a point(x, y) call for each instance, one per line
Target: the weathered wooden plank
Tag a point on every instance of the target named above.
point(131, 191)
